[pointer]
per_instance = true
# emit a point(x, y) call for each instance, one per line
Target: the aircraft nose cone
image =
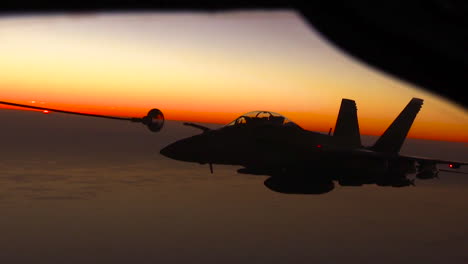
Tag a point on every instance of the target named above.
point(170, 151)
point(183, 150)
point(192, 149)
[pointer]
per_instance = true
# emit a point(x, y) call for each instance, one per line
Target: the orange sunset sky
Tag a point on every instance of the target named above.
point(204, 68)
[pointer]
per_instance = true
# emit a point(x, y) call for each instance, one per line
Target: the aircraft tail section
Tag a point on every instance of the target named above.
point(347, 126)
point(392, 139)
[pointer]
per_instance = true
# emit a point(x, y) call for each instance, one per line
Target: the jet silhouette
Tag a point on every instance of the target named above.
point(302, 161)
point(298, 160)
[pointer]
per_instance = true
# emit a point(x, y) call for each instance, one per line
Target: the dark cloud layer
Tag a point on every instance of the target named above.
point(83, 190)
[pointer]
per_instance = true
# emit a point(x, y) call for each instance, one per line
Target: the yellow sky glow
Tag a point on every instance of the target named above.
point(205, 68)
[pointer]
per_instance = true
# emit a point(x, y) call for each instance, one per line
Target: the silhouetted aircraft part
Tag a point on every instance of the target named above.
point(302, 161)
point(366, 30)
point(204, 128)
point(66, 112)
point(252, 171)
point(357, 177)
point(262, 118)
point(347, 127)
point(426, 170)
point(298, 185)
point(426, 175)
point(350, 182)
point(392, 139)
point(454, 165)
point(430, 162)
point(369, 31)
point(452, 171)
point(154, 120)
point(395, 180)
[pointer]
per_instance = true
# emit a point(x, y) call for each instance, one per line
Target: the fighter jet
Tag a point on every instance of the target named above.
point(297, 160)
point(302, 161)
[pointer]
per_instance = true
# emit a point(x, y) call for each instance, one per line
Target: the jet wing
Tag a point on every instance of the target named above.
point(452, 164)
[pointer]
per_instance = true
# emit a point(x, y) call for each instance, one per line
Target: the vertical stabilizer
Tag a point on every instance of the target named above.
point(347, 127)
point(392, 139)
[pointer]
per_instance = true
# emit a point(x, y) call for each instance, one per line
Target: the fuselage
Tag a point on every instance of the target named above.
point(290, 154)
point(261, 145)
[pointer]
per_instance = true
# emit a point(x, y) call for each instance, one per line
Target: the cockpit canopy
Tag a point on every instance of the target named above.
point(262, 118)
